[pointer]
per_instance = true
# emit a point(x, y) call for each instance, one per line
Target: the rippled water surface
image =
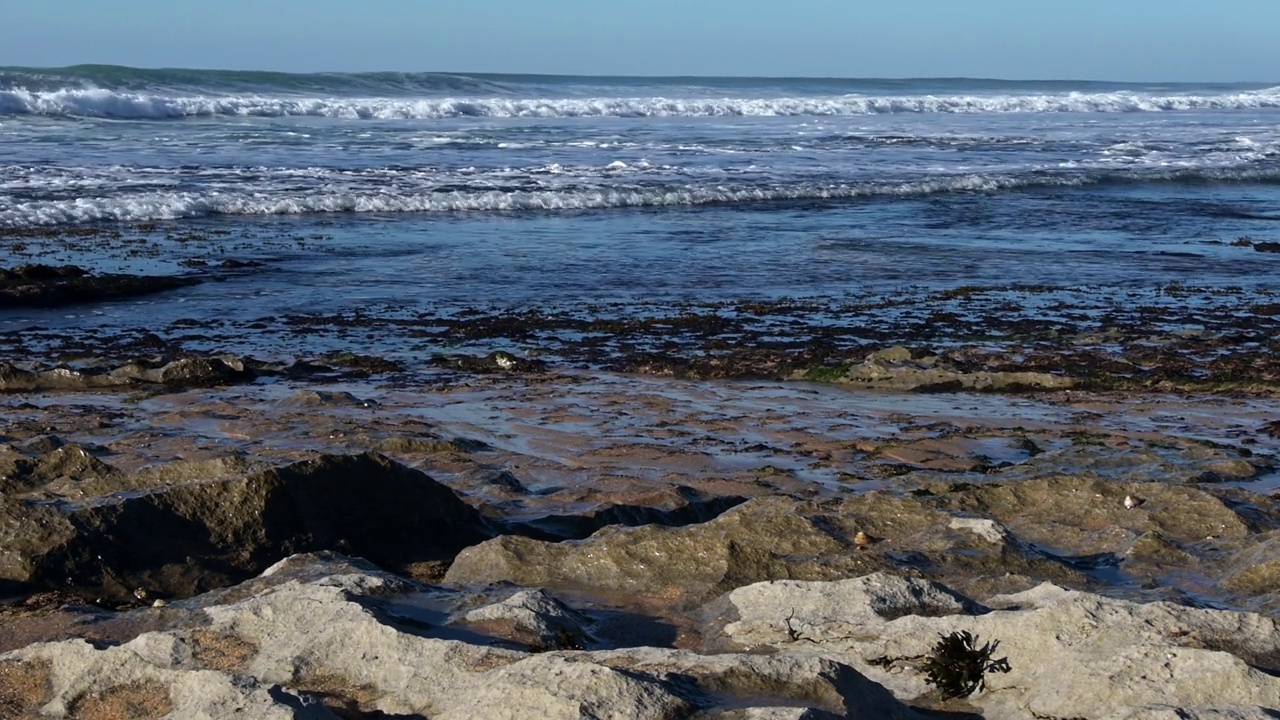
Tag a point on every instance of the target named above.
point(447, 191)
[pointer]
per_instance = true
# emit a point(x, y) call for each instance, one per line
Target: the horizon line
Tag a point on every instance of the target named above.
point(903, 78)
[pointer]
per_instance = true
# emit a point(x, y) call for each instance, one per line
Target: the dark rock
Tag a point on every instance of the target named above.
point(184, 539)
point(182, 372)
point(577, 527)
point(495, 362)
point(50, 286)
point(41, 272)
point(431, 445)
point(42, 443)
point(360, 364)
point(321, 398)
point(896, 369)
point(71, 463)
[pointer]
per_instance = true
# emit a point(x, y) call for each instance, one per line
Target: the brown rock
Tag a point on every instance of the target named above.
point(193, 537)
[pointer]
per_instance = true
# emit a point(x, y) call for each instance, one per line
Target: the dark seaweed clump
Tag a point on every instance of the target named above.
point(957, 666)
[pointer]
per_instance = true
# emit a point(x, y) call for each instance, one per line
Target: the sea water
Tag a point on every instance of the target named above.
point(450, 190)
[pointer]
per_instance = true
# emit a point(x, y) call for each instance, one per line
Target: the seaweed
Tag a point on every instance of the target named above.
point(958, 667)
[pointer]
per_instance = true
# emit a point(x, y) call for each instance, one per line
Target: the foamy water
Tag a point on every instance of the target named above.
point(103, 144)
point(449, 190)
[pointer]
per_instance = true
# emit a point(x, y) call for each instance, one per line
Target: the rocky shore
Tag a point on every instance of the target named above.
point(684, 516)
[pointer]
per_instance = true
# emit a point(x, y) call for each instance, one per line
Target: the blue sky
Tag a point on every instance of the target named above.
point(1176, 40)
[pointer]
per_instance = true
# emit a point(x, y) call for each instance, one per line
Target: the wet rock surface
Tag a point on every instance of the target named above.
point(736, 510)
point(995, 339)
point(985, 539)
point(171, 372)
point(895, 369)
point(53, 286)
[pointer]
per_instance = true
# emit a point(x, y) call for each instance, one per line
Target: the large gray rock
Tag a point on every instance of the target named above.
point(814, 611)
point(556, 687)
point(1072, 654)
point(83, 681)
point(324, 627)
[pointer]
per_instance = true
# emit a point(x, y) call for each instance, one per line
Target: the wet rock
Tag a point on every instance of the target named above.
point(1116, 458)
point(582, 525)
point(70, 464)
point(42, 443)
point(761, 539)
point(1255, 569)
point(52, 286)
point(34, 272)
point(535, 618)
point(192, 537)
point(506, 481)
point(360, 365)
point(323, 398)
point(189, 371)
point(184, 372)
point(756, 684)
point(406, 445)
point(983, 539)
point(896, 369)
point(1083, 516)
point(495, 362)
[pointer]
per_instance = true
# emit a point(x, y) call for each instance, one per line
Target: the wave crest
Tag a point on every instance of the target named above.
point(122, 105)
point(153, 205)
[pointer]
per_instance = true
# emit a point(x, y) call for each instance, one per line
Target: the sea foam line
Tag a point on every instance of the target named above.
point(150, 206)
point(147, 106)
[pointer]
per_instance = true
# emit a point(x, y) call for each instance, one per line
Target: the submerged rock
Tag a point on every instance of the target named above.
point(182, 372)
point(53, 286)
point(896, 369)
point(499, 361)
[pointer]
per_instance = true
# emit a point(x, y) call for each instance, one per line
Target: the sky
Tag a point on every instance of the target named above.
point(1123, 40)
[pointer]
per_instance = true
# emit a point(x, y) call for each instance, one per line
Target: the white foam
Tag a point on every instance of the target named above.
point(131, 105)
point(147, 206)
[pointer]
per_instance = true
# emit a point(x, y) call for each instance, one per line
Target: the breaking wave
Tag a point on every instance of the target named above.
point(126, 105)
point(159, 205)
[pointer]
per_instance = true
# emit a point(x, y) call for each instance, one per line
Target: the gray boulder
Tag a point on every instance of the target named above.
point(536, 618)
point(1072, 654)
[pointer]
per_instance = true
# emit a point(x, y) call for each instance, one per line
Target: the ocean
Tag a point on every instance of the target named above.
point(435, 191)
